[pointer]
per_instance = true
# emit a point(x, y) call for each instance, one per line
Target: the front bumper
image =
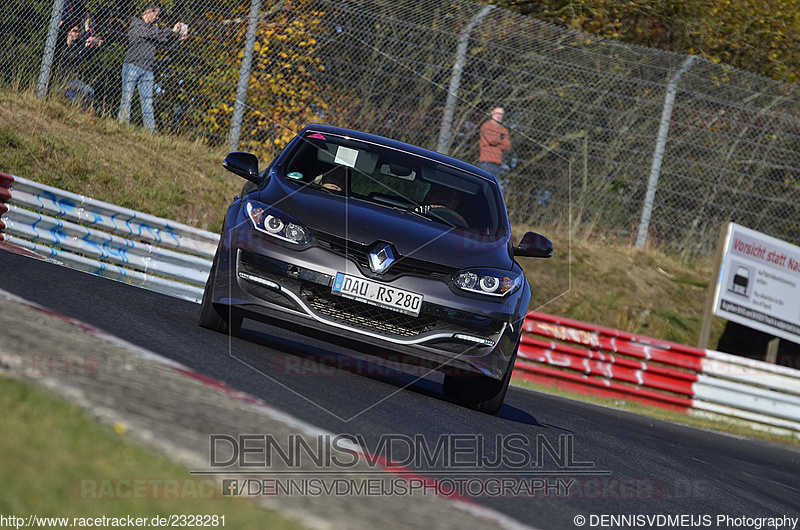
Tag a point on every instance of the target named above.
point(262, 284)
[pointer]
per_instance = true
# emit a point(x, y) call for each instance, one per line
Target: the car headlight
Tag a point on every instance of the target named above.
point(276, 225)
point(492, 283)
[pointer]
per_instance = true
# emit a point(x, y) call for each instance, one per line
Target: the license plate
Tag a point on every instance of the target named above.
point(377, 294)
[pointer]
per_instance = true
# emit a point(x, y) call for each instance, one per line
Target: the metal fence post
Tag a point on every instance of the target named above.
point(244, 76)
point(658, 155)
point(49, 49)
point(443, 145)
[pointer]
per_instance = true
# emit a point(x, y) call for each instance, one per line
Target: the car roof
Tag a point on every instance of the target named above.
point(401, 146)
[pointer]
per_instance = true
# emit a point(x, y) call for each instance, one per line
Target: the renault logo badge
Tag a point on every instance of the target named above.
point(381, 258)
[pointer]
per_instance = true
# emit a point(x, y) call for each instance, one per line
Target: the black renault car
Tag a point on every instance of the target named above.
point(381, 243)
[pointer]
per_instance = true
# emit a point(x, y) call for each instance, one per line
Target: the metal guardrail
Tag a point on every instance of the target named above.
point(105, 239)
point(175, 259)
point(602, 361)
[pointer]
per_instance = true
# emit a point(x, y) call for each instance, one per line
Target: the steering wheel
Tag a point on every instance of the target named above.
point(448, 216)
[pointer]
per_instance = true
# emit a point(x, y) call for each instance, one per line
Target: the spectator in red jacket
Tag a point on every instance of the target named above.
point(494, 142)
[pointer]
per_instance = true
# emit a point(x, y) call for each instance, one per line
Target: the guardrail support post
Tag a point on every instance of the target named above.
point(772, 350)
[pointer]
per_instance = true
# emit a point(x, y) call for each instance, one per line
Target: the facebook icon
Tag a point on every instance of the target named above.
point(230, 487)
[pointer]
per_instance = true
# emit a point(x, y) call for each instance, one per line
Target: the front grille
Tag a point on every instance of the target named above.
point(364, 316)
point(360, 255)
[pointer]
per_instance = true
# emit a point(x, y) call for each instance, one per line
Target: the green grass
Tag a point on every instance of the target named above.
point(59, 463)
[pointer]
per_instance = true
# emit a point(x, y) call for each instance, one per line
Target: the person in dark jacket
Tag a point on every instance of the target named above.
point(75, 51)
point(137, 69)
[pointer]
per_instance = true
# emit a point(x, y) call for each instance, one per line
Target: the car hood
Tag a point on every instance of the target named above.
point(411, 235)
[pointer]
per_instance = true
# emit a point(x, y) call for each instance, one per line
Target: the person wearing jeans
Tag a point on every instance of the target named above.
point(137, 77)
point(137, 69)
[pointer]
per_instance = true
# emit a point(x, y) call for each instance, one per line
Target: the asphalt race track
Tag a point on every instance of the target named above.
point(549, 460)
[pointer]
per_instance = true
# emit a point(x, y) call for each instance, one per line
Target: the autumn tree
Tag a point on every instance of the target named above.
point(760, 36)
point(285, 89)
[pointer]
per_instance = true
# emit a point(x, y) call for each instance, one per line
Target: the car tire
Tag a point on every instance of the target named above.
point(480, 393)
point(213, 317)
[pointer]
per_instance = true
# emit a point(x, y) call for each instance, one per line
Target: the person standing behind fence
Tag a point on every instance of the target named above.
point(137, 70)
point(72, 55)
point(494, 142)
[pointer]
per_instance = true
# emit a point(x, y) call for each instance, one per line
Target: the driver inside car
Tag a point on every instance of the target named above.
point(440, 197)
point(335, 179)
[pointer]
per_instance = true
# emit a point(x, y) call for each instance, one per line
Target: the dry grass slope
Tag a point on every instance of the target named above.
point(61, 146)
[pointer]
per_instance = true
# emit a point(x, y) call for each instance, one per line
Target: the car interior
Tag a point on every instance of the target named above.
point(397, 181)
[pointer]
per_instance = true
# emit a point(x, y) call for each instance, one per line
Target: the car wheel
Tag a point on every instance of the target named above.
point(480, 393)
point(216, 318)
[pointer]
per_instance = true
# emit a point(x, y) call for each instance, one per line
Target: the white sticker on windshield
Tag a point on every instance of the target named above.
point(346, 156)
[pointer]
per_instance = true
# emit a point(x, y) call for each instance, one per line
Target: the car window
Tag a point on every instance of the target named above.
point(395, 179)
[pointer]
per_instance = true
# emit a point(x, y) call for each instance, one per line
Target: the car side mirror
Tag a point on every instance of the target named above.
point(534, 245)
point(243, 164)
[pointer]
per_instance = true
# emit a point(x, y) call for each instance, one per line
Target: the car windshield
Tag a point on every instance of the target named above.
point(395, 179)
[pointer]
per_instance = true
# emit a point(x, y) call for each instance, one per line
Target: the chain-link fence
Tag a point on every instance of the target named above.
point(629, 143)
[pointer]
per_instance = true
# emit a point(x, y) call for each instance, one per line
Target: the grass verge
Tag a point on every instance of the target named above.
point(66, 465)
